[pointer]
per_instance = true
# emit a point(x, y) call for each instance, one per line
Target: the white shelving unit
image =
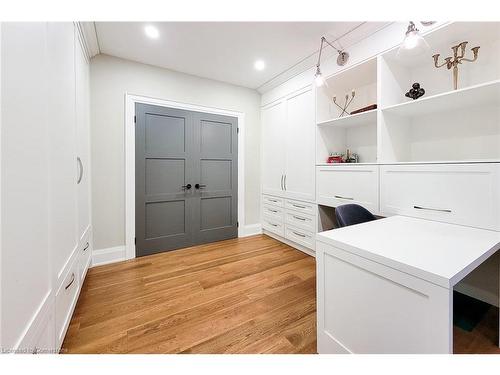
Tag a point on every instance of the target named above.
point(443, 126)
point(357, 132)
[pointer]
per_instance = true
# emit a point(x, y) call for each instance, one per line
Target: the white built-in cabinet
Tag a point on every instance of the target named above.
point(288, 151)
point(45, 182)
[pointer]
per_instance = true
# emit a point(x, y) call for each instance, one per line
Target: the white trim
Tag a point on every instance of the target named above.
point(250, 230)
point(88, 39)
point(130, 100)
point(109, 255)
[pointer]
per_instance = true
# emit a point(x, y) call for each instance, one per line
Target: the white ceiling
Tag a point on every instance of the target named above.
point(226, 51)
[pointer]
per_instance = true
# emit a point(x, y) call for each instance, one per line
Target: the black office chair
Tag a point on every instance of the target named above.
point(350, 214)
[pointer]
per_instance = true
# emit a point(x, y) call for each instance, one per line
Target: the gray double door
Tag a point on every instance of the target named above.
point(186, 178)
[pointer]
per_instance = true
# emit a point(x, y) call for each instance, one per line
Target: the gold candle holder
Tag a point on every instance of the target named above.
point(453, 62)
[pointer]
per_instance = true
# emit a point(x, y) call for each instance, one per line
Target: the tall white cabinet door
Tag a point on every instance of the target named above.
point(299, 136)
point(25, 267)
point(62, 159)
point(273, 148)
point(83, 138)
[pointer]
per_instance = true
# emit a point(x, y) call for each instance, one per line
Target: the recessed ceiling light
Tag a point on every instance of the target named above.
point(259, 65)
point(152, 32)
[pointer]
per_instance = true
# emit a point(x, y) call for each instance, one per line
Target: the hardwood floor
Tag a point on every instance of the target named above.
point(482, 339)
point(248, 295)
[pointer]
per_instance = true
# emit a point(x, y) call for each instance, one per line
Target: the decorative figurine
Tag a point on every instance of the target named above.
point(346, 104)
point(415, 92)
point(453, 62)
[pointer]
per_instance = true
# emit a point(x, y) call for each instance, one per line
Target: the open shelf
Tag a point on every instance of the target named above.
point(358, 119)
point(398, 73)
point(362, 78)
point(477, 95)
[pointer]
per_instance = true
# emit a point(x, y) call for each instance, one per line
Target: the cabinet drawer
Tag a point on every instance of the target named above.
point(300, 220)
point(300, 236)
point(272, 200)
point(65, 301)
point(338, 185)
point(273, 211)
point(273, 225)
point(465, 194)
point(307, 208)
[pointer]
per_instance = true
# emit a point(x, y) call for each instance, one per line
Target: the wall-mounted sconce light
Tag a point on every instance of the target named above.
point(413, 43)
point(342, 59)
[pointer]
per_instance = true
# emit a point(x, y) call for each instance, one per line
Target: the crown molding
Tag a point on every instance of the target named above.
point(88, 38)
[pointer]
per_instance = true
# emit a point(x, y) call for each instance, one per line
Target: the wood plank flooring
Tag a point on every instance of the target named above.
point(248, 295)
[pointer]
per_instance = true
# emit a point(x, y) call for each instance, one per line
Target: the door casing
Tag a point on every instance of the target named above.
point(130, 101)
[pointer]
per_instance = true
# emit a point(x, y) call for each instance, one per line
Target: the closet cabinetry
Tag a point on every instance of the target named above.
point(288, 146)
point(49, 76)
point(288, 178)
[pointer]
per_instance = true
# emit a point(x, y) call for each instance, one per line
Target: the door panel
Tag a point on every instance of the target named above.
point(215, 213)
point(62, 134)
point(300, 132)
point(165, 219)
point(165, 134)
point(175, 148)
point(216, 208)
point(165, 176)
point(163, 138)
point(273, 148)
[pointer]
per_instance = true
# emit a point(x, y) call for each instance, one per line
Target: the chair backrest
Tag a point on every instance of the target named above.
point(350, 214)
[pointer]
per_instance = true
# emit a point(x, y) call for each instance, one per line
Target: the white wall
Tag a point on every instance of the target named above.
point(111, 78)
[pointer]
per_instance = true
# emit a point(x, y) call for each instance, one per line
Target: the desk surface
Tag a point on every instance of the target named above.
point(437, 252)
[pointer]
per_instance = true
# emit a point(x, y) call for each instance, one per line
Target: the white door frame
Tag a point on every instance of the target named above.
point(130, 100)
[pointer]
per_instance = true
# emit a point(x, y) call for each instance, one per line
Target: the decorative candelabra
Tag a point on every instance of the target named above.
point(347, 102)
point(453, 62)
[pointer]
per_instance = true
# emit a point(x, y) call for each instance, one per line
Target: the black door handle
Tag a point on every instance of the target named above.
point(198, 186)
point(186, 187)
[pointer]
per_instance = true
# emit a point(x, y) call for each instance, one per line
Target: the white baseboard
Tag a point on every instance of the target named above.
point(109, 255)
point(250, 230)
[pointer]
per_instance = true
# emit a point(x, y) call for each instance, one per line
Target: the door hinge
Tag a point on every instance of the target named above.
point(135, 240)
point(238, 130)
point(135, 119)
point(237, 224)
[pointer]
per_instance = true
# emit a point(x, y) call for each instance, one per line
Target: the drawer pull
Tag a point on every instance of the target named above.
point(274, 225)
point(431, 209)
point(299, 218)
point(341, 197)
point(298, 205)
point(86, 247)
point(71, 282)
point(272, 200)
point(275, 211)
point(299, 234)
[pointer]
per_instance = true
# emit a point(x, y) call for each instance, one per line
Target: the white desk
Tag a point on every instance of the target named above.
point(386, 286)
